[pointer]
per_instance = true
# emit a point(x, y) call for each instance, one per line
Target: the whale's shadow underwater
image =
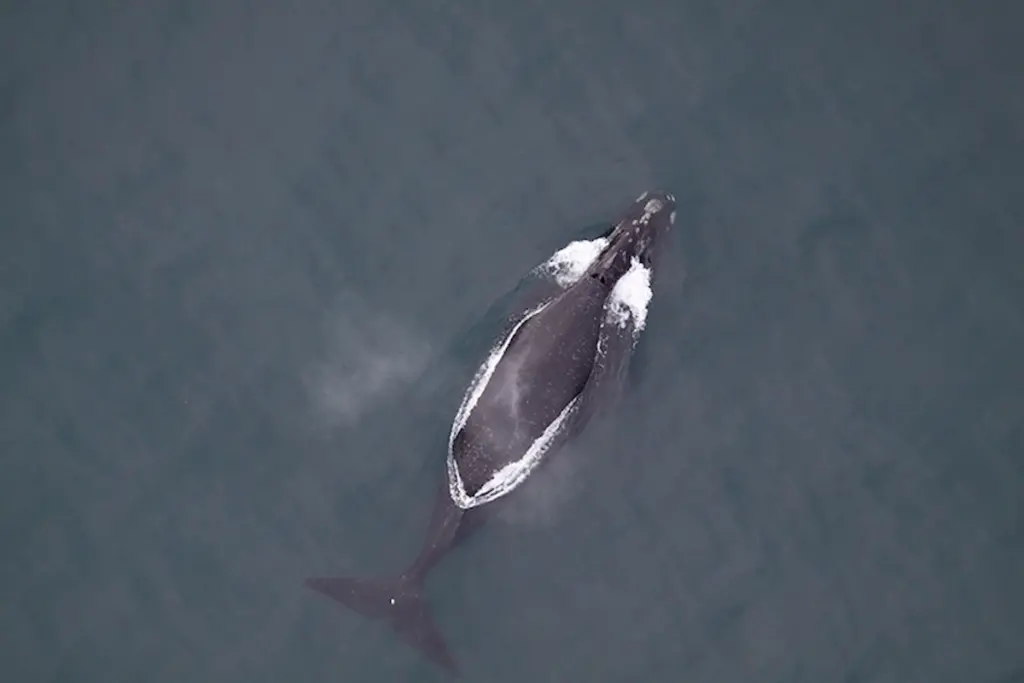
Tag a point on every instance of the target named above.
point(561, 358)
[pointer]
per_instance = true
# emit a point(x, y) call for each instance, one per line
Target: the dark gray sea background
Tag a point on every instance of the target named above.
point(250, 253)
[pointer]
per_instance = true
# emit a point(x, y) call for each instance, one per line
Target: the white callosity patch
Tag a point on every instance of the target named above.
point(568, 264)
point(653, 206)
point(630, 297)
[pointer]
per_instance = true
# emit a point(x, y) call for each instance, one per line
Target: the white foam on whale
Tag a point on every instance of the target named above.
point(630, 298)
point(568, 264)
point(511, 475)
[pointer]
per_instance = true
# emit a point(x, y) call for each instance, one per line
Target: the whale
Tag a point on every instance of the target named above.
point(560, 359)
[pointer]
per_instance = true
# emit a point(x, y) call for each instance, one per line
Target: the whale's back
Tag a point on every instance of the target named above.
point(544, 367)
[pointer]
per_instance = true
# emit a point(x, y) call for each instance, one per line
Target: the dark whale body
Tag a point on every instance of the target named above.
point(560, 357)
point(549, 360)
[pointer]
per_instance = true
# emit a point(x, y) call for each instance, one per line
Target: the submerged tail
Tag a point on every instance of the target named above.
point(401, 601)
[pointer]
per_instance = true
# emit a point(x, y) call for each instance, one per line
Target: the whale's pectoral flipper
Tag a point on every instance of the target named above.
point(400, 600)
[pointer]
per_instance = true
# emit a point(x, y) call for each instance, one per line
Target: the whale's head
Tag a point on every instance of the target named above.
point(635, 236)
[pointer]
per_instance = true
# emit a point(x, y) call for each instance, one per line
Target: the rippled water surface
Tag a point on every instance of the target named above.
point(250, 254)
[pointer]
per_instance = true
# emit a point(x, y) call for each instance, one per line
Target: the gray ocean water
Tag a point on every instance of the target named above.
point(251, 251)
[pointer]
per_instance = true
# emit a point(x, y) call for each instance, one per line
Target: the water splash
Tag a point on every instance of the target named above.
point(568, 264)
point(630, 298)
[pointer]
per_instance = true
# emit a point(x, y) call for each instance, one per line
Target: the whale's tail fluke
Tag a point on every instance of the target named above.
point(399, 600)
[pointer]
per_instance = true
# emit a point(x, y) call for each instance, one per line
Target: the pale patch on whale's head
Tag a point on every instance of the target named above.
point(649, 208)
point(635, 238)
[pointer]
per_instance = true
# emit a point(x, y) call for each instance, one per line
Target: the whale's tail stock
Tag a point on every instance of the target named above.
point(399, 600)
